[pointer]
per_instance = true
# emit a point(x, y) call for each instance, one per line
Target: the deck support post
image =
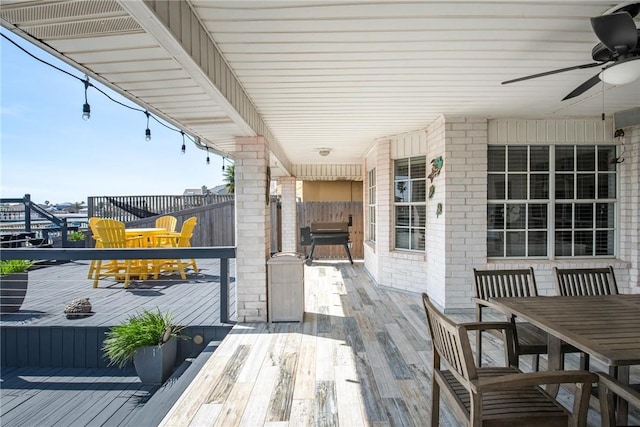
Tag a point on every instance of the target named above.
point(289, 227)
point(253, 227)
point(224, 290)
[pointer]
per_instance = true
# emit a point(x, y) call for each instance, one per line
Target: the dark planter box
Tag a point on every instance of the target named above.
point(76, 244)
point(154, 364)
point(13, 289)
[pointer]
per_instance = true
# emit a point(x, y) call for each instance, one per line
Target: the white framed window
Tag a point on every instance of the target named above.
point(371, 194)
point(410, 207)
point(551, 201)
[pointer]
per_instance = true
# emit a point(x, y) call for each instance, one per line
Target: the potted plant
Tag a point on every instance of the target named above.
point(75, 239)
point(14, 277)
point(150, 340)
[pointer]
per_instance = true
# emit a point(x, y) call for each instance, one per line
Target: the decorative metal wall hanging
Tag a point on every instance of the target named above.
point(436, 167)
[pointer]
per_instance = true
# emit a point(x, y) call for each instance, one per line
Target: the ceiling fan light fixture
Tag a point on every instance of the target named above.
point(622, 72)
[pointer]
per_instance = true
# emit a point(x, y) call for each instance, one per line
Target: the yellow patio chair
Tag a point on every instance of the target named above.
point(98, 244)
point(112, 235)
point(183, 240)
point(167, 222)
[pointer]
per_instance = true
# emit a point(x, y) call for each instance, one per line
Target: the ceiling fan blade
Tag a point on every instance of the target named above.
point(631, 7)
point(548, 73)
point(583, 87)
point(616, 30)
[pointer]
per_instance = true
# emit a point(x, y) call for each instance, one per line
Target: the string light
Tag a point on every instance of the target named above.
point(147, 132)
point(208, 160)
point(223, 159)
point(86, 108)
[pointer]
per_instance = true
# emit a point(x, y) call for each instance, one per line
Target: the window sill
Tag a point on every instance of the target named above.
point(573, 262)
point(407, 254)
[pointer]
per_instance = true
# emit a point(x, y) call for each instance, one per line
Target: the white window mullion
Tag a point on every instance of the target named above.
point(551, 211)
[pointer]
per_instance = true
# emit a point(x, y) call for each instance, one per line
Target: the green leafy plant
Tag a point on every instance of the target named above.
point(76, 236)
point(148, 328)
point(229, 178)
point(11, 266)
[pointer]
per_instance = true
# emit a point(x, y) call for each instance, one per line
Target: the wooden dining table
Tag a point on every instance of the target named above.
point(606, 327)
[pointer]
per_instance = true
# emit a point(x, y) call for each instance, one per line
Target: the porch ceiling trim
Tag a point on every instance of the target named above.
point(177, 29)
point(328, 172)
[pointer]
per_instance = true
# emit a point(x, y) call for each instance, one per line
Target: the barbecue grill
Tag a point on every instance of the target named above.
point(326, 233)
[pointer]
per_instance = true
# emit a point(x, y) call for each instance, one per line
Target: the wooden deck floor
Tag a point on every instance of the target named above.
point(61, 397)
point(193, 302)
point(41, 335)
point(40, 384)
point(361, 357)
point(71, 397)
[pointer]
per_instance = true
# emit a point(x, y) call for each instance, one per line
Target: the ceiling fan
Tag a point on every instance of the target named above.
point(618, 51)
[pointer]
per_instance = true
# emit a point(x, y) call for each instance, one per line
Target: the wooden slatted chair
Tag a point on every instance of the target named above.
point(183, 240)
point(496, 396)
point(112, 235)
point(608, 389)
point(529, 339)
point(585, 282)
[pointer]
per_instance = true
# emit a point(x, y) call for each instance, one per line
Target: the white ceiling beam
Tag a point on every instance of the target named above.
point(172, 24)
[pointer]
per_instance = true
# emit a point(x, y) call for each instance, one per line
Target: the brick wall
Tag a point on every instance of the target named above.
point(436, 225)
point(253, 229)
point(456, 241)
point(384, 185)
point(289, 213)
point(465, 205)
point(630, 207)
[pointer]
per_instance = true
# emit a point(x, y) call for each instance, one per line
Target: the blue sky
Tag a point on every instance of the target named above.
point(48, 151)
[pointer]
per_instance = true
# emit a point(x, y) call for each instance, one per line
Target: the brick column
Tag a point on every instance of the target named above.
point(289, 228)
point(630, 207)
point(384, 210)
point(253, 228)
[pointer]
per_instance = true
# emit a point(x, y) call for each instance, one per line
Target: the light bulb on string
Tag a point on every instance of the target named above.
point(223, 164)
point(208, 160)
point(147, 132)
point(86, 108)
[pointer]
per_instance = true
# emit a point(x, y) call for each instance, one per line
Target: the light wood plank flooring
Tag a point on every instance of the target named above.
point(361, 357)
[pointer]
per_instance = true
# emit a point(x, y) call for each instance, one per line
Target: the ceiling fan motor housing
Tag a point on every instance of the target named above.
point(601, 53)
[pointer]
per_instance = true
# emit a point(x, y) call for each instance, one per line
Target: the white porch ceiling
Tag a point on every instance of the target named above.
point(327, 74)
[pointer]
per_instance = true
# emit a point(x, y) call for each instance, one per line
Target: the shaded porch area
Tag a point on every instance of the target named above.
point(362, 357)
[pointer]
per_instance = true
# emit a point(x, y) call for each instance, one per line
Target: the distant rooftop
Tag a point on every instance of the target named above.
point(217, 190)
